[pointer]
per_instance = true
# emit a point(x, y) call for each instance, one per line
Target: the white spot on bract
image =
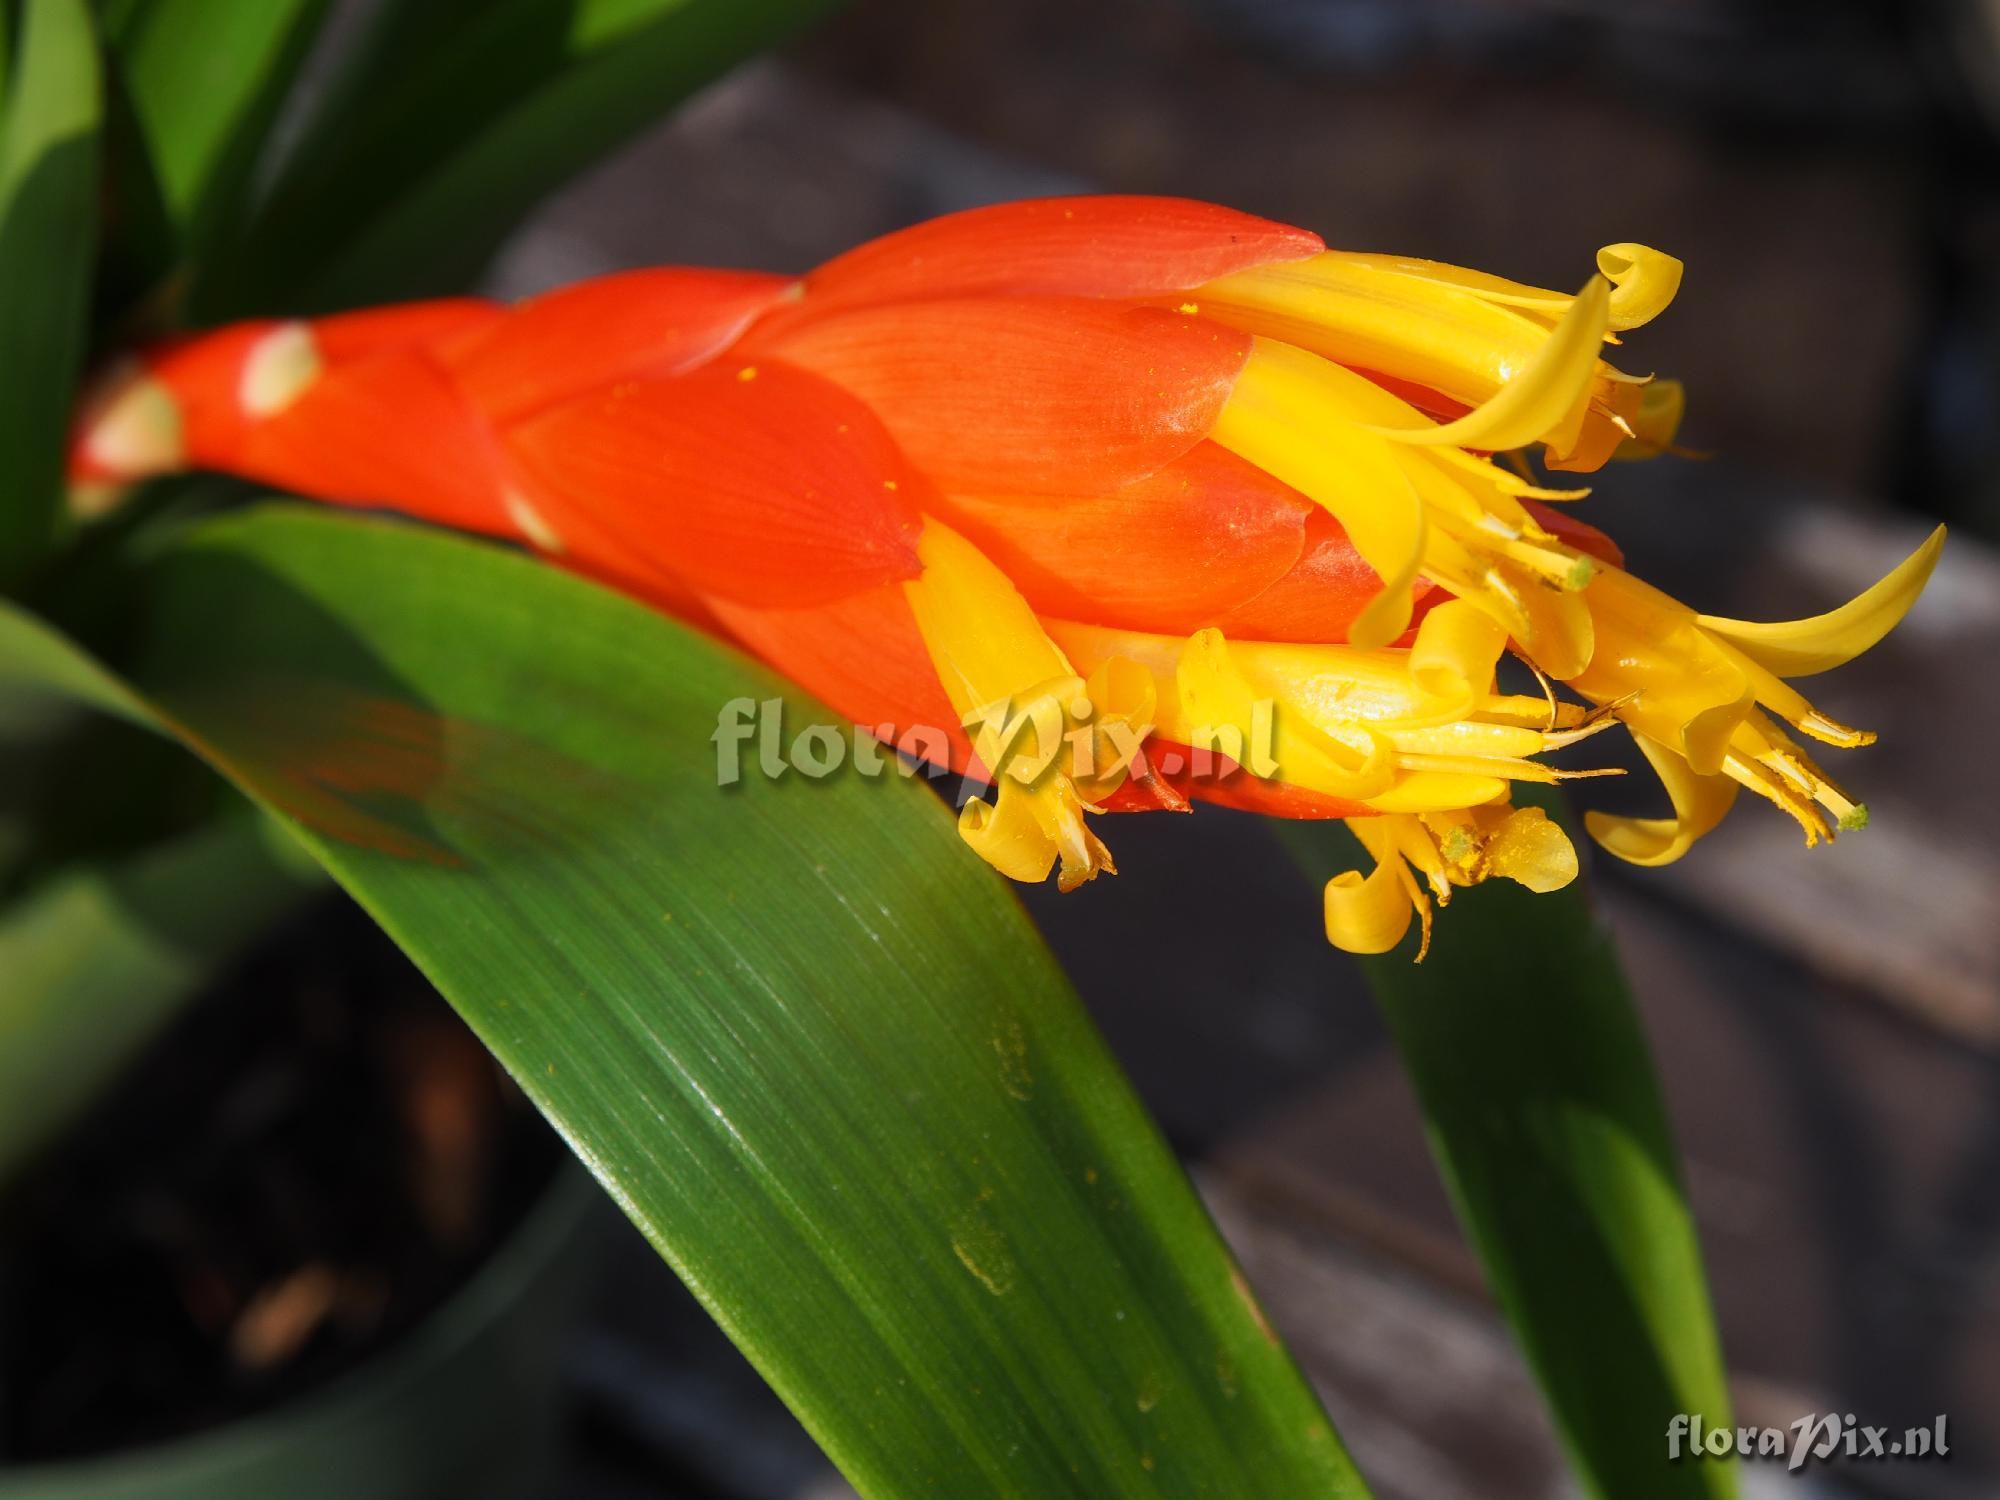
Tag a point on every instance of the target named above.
point(532, 523)
point(278, 370)
point(132, 424)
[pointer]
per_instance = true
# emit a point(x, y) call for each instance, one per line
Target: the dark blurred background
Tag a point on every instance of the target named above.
point(1828, 1024)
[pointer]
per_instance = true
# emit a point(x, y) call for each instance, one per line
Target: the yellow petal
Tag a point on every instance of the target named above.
point(1124, 708)
point(1008, 838)
point(1219, 709)
point(1483, 284)
point(1438, 791)
point(1643, 281)
point(1407, 319)
point(1031, 828)
point(1532, 849)
point(1451, 660)
point(1800, 648)
point(1562, 633)
point(1699, 804)
point(1544, 396)
point(1705, 736)
point(1285, 416)
point(1371, 914)
point(1366, 915)
point(981, 634)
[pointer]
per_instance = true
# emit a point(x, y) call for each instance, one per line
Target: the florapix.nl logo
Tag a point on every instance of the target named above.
point(1025, 738)
point(1815, 1437)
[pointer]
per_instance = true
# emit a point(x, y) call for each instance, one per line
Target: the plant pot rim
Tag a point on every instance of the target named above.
point(544, 1237)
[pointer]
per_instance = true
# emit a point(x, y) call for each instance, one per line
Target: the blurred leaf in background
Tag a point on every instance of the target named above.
point(49, 126)
point(449, 120)
point(1544, 1114)
point(205, 79)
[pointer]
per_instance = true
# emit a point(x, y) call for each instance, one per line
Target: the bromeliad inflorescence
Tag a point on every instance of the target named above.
point(1098, 485)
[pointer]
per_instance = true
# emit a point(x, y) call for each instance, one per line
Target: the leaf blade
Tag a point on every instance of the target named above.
point(812, 1048)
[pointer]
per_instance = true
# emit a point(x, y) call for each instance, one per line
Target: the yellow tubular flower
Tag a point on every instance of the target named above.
point(1700, 692)
point(1049, 737)
point(1341, 339)
point(1416, 746)
point(1524, 360)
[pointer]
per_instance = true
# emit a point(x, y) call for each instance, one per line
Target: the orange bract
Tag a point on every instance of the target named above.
point(756, 484)
point(388, 429)
point(631, 325)
point(1122, 247)
point(1035, 395)
point(1172, 551)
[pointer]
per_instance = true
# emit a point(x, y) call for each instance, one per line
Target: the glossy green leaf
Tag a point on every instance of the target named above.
point(48, 233)
point(101, 957)
point(205, 79)
point(808, 1042)
point(454, 120)
point(1545, 1117)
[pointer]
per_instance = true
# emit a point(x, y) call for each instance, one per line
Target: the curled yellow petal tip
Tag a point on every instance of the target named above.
point(1644, 281)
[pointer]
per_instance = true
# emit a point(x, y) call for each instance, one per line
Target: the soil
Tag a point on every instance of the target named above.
point(306, 1164)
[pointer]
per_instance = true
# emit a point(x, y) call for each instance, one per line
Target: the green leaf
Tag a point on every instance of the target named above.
point(36, 660)
point(205, 78)
point(101, 957)
point(48, 232)
point(808, 1042)
point(1545, 1117)
point(454, 120)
